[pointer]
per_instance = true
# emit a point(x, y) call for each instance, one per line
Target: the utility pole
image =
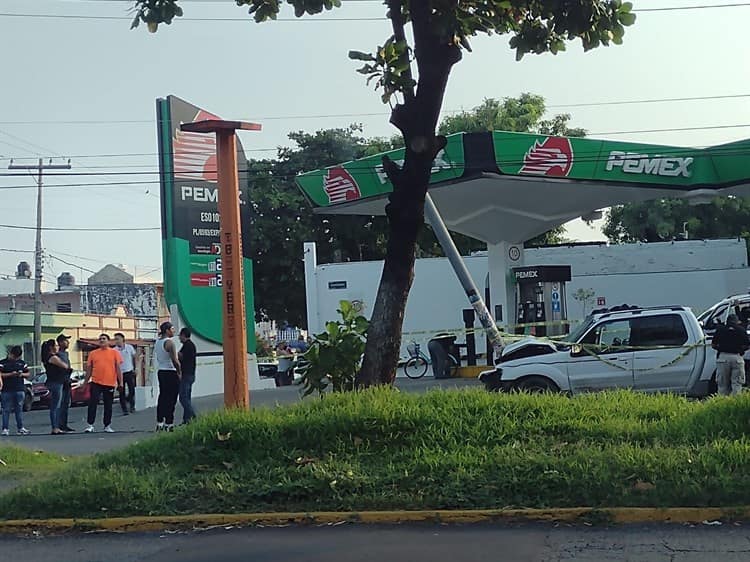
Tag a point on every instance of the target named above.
point(40, 167)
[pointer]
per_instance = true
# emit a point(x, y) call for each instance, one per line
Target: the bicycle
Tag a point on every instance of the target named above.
point(417, 364)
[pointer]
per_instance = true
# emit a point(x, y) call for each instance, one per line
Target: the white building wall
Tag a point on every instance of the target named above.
point(435, 301)
point(690, 273)
point(688, 255)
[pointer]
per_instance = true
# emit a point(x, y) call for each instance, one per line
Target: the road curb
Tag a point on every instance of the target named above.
point(624, 515)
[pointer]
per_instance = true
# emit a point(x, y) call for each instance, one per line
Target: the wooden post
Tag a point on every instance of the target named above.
point(234, 340)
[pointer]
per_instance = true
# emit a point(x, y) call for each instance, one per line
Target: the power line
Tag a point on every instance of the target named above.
point(258, 171)
point(58, 229)
point(40, 169)
point(37, 146)
point(92, 185)
point(71, 264)
point(126, 18)
point(324, 19)
point(371, 114)
point(12, 276)
point(621, 132)
point(101, 261)
point(579, 157)
point(699, 7)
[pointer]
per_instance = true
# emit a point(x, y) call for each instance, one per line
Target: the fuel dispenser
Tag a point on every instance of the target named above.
point(540, 297)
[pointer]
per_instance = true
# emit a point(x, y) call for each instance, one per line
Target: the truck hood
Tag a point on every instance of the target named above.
point(542, 345)
point(545, 359)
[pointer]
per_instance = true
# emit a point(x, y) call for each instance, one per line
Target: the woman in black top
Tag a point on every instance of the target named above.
point(57, 371)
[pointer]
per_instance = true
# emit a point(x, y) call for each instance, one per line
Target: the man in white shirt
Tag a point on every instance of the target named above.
point(127, 395)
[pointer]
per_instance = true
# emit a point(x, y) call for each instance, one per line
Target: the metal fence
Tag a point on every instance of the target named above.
point(289, 335)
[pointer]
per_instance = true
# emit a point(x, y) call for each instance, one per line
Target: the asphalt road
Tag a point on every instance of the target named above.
point(141, 424)
point(477, 543)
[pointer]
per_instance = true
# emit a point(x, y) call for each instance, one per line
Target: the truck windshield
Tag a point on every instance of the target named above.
point(714, 316)
point(704, 315)
point(582, 328)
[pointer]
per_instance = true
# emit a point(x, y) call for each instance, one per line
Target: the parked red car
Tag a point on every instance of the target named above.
point(80, 391)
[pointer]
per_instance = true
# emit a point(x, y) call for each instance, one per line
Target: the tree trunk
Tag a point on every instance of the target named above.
point(417, 120)
point(405, 214)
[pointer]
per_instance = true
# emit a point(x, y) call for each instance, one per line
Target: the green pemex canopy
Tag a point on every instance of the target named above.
point(503, 186)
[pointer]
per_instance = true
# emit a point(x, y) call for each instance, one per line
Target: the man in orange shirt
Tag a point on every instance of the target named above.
point(103, 374)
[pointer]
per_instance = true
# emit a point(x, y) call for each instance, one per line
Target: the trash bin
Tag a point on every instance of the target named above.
point(440, 347)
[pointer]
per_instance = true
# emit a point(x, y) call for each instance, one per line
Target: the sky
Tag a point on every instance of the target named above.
point(86, 89)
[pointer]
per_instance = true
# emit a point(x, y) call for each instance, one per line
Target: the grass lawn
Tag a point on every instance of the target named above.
point(382, 449)
point(19, 465)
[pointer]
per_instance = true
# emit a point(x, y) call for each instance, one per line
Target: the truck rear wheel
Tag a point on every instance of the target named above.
point(536, 385)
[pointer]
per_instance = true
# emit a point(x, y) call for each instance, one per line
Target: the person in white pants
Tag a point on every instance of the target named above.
point(731, 343)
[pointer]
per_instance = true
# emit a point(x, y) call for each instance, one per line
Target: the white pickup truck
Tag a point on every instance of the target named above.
point(717, 314)
point(648, 349)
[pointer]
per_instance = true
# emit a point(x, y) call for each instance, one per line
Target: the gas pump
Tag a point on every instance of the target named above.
point(540, 298)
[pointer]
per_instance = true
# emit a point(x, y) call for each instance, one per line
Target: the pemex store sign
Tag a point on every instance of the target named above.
point(636, 163)
point(190, 220)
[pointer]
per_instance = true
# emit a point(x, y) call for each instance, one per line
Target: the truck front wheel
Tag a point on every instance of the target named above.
point(536, 385)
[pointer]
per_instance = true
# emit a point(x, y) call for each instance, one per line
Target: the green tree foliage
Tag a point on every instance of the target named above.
point(669, 219)
point(440, 33)
point(522, 114)
point(283, 219)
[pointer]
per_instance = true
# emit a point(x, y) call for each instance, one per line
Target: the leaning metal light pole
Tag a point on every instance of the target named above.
point(234, 334)
point(464, 277)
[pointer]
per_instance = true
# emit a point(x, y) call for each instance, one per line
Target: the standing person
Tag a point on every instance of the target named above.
point(57, 371)
point(168, 371)
point(13, 370)
point(127, 352)
point(285, 365)
point(187, 357)
point(730, 342)
point(300, 345)
point(63, 342)
point(103, 373)
point(744, 315)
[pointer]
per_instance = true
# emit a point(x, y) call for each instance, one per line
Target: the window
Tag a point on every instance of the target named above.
point(667, 331)
point(64, 307)
point(715, 318)
point(609, 337)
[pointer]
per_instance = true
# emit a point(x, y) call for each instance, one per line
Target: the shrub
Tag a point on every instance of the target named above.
point(335, 355)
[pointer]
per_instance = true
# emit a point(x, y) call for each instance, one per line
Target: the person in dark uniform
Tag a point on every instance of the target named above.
point(730, 342)
point(438, 347)
point(744, 315)
point(187, 356)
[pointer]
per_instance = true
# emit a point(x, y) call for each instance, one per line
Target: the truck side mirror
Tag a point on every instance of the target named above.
point(576, 350)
